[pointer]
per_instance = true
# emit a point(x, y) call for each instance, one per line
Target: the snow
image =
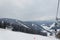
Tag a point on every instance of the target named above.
point(34, 25)
point(10, 35)
point(45, 27)
point(53, 25)
point(23, 24)
point(48, 28)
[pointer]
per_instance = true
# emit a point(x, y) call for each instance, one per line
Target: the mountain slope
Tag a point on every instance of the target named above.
point(10, 35)
point(17, 25)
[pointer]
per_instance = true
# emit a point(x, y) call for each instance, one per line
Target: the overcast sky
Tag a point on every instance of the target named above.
point(28, 9)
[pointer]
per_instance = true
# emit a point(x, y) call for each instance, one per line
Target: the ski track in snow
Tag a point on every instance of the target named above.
point(10, 35)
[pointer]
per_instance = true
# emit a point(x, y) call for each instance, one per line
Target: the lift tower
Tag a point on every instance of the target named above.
point(57, 23)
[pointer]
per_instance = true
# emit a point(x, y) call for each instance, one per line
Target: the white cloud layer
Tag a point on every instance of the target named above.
point(28, 9)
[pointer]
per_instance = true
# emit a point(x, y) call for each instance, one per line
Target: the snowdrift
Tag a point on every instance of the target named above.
point(10, 35)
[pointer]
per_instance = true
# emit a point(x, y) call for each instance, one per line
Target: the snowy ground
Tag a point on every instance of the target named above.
point(10, 35)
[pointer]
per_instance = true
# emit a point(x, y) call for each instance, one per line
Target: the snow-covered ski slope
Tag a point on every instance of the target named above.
point(10, 35)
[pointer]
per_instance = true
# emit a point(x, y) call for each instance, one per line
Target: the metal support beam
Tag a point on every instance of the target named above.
point(57, 9)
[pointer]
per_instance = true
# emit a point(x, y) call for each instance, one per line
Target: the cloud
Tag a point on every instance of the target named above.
point(44, 18)
point(28, 9)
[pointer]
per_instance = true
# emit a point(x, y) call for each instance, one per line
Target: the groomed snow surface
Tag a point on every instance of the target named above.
point(10, 35)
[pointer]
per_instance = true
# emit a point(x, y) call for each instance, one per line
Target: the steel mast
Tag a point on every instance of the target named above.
point(56, 23)
point(57, 10)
